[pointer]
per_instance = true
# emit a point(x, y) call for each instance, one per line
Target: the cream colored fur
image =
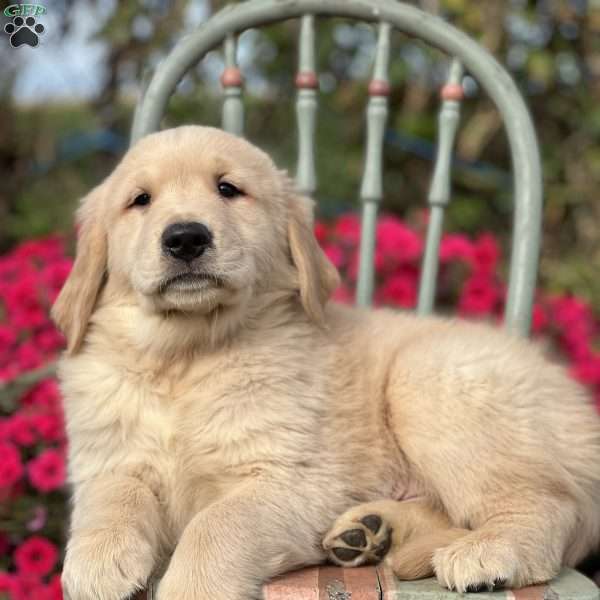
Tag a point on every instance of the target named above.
point(228, 424)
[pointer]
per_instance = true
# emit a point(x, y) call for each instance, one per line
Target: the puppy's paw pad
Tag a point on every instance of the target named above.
point(355, 542)
point(372, 522)
point(355, 538)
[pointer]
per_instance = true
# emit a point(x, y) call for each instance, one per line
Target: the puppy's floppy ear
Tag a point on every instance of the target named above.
point(317, 277)
point(75, 303)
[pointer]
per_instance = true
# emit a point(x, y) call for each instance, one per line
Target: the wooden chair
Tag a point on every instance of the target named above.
point(376, 582)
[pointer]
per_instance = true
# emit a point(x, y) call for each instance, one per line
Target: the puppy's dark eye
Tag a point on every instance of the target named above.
point(141, 200)
point(228, 190)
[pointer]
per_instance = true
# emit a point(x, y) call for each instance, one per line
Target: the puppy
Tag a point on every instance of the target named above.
point(226, 424)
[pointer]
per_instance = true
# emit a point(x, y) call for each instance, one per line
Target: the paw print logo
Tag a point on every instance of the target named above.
point(24, 31)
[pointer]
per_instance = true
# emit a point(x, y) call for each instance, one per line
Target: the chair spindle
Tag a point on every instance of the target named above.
point(232, 81)
point(306, 107)
point(439, 192)
point(371, 191)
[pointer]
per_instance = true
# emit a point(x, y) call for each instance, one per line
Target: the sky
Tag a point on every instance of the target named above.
point(62, 67)
point(69, 67)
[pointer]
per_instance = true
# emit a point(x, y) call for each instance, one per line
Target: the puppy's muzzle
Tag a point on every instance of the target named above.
point(186, 241)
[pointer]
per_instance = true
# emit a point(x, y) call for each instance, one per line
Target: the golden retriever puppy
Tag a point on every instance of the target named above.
point(228, 423)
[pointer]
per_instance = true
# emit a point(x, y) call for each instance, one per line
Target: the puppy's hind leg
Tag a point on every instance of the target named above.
point(406, 533)
point(520, 541)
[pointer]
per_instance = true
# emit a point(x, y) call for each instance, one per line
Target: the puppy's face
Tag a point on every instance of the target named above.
point(194, 221)
point(197, 217)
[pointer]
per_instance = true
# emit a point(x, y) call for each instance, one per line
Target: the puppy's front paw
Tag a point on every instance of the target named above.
point(106, 565)
point(357, 539)
point(474, 565)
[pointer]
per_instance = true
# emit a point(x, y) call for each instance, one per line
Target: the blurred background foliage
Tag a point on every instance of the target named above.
point(53, 150)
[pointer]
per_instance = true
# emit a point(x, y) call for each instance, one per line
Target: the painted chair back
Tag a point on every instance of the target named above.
point(223, 29)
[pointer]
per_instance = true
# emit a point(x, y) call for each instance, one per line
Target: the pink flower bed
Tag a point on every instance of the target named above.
point(32, 436)
point(33, 511)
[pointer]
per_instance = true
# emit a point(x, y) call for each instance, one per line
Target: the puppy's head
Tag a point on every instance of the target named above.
point(198, 222)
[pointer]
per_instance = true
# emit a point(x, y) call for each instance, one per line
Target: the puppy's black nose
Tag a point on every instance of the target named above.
point(186, 241)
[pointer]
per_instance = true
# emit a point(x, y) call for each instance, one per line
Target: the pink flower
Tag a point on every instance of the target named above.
point(47, 249)
point(29, 587)
point(587, 370)
point(11, 467)
point(456, 247)
point(7, 585)
point(54, 588)
point(9, 267)
point(49, 340)
point(335, 254)
point(44, 394)
point(399, 290)
point(321, 231)
point(479, 296)
point(347, 229)
point(486, 253)
point(8, 372)
point(49, 426)
point(21, 429)
point(568, 311)
point(343, 294)
point(29, 317)
point(539, 318)
point(396, 241)
point(354, 263)
point(36, 556)
point(28, 356)
point(576, 342)
point(54, 275)
point(22, 294)
point(4, 429)
point(47, 471)
point(8, 337)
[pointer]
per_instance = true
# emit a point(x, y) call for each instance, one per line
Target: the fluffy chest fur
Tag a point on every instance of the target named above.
point(197, 427)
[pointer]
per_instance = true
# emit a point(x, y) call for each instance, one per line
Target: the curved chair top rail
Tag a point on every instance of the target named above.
point(436, 32)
